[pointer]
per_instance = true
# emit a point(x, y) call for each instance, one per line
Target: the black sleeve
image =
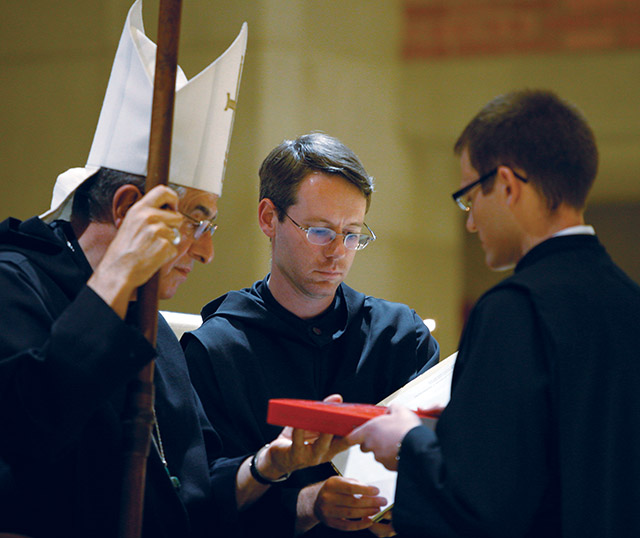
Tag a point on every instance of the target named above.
point(227, 416)
point(427, 347)
point(58, 367)
point(485, 470)
point(234, 422)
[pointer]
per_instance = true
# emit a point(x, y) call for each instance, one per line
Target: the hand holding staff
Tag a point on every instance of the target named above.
point(140, 419)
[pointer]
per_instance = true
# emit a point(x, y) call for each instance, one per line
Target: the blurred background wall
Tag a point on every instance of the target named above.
point(396, 80)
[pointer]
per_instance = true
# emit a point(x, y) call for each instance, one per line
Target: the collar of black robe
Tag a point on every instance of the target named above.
point(321, 329)
point(559, 244)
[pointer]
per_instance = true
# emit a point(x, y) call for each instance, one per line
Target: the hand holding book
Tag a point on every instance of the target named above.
point(430, 391)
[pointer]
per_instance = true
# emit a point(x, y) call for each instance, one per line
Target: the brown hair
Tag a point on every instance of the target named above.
point(292, 161)
point(538, 132)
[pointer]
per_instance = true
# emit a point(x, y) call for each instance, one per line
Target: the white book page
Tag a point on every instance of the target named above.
point(430, 389)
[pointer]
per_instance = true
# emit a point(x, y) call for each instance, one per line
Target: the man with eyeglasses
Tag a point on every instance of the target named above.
point(302, 333)
point(70, 346)
point(540, 437)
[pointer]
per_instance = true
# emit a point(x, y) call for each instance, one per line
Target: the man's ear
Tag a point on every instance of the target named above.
point(123, 199)
point(510, 184)
point(267, 217)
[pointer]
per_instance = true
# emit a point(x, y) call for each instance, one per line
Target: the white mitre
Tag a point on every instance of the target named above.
point(202, 125)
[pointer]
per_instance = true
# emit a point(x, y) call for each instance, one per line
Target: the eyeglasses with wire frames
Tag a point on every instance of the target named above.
point(319, 235)
point(198, 228)
point(465, 203)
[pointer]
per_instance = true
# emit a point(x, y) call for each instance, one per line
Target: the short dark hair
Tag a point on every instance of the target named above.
point(293, 160)
point(543, 135)
point(92, 200)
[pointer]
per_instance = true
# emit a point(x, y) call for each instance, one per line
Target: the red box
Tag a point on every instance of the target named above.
point(325, 417)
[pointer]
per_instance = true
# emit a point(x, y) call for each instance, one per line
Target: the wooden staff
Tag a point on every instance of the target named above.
point(139, 415)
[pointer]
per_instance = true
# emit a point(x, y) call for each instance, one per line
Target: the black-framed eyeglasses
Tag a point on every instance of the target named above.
point(319, 235)
point(465, 203)
point(199, 227)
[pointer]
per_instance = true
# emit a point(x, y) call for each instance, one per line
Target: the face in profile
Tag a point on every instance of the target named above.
point(200, 206)
point(491, 219)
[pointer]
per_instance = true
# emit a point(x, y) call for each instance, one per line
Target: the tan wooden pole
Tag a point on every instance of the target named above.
point(139, 415)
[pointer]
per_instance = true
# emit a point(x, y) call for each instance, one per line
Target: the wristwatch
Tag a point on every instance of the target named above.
point(258, 476)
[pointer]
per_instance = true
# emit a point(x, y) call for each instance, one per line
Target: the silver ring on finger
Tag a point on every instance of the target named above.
point(177, 237)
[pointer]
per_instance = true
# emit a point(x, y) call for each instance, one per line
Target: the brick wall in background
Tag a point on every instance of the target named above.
point(442, 28)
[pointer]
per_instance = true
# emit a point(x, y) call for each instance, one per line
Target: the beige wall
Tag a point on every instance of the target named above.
point(321, 65)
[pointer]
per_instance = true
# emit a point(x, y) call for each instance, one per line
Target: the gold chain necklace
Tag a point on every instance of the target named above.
point(157, 441)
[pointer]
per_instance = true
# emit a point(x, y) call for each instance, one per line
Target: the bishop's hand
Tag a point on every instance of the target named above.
point(140, 240)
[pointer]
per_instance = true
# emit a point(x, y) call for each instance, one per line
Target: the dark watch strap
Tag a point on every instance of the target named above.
point(253, 468)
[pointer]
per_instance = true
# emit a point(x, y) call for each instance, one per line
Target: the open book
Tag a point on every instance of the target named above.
point(430, 389)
